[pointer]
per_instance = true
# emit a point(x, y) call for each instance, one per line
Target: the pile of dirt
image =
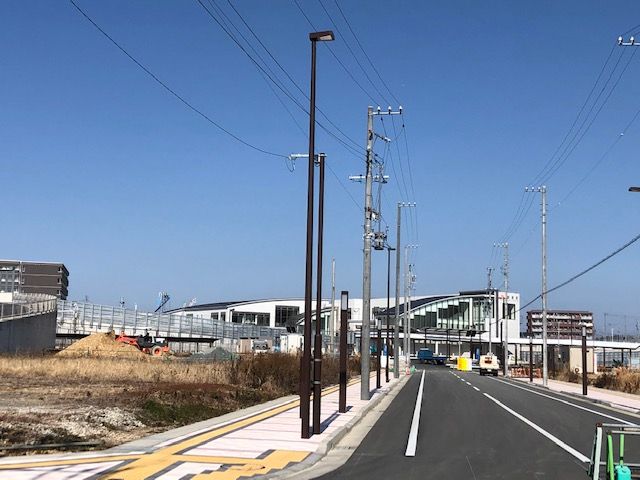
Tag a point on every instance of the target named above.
point(101, 345)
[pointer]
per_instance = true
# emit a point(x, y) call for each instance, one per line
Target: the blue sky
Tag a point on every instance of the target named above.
point(135, 193)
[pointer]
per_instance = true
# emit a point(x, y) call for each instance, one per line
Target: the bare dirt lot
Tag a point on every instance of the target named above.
point(112, 400)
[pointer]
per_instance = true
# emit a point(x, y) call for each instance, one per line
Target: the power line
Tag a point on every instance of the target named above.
point(288, 75)
point(560, 161)
point(556, 161)
point(277, 83)
point(336, 57)
point(353, 53)
point(171, 90)
point(585, 271)
point(365, 53)
point(538, 179)
point(356, 203)
point(227, 21)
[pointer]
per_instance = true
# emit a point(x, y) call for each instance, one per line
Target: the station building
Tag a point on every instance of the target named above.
point(438, 321)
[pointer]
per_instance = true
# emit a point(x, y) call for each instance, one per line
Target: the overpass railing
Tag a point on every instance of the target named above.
point(27, 305)
point(85, 318)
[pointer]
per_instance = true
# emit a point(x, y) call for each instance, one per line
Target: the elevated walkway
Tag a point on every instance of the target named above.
point(78, 319)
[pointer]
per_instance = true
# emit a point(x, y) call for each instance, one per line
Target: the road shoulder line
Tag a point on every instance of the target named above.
point(412, 443)
point(566, 402)
point(542, 431)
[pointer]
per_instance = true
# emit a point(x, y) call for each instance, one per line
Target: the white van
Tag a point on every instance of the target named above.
point(489, 364)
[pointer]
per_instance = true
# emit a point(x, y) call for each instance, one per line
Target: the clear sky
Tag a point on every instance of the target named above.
point(106, 171)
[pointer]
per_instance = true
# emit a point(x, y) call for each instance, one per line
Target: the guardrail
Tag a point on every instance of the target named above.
point(27, 305)
point(78, 318)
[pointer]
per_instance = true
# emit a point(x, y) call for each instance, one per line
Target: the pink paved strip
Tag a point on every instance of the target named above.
point(609, 396)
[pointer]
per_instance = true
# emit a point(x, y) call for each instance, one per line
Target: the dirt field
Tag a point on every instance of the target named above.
point(57, 399)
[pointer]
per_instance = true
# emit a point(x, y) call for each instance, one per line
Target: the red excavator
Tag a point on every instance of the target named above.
point(145, 343)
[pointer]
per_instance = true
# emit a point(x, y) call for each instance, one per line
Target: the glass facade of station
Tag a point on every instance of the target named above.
point(455, 313)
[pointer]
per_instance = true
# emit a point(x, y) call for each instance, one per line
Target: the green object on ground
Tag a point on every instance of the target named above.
point(610, 469)
point(622, 471)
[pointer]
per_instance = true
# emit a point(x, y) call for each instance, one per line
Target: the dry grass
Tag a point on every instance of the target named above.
point(277, 372)
point(619, 379)
point(54, 397)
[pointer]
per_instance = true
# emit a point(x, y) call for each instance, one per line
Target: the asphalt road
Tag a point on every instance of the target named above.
point(474, 427)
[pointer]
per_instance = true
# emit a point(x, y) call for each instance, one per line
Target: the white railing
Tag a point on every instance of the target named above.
point(85, 318)
point(27, 305)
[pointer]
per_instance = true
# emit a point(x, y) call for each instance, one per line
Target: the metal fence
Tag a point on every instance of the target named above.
point(27, 305)
point(80, 318)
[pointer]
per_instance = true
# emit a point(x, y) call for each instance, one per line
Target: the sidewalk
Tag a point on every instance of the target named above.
point(626, 401)
point(247, 443)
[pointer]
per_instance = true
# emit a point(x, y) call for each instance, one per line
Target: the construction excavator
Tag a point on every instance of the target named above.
point(146, 343)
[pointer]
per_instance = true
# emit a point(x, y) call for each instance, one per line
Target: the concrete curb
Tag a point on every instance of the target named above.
point(575, 396)
point(330, 443)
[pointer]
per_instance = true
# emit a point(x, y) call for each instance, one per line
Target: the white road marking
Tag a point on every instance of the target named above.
point(569, 403)
point(468, 383)
point(554, 439)
point(476, 388)
point(413, 432)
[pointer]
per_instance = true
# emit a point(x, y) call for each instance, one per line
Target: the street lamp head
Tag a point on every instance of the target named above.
point(634, 189)
point(326, 36)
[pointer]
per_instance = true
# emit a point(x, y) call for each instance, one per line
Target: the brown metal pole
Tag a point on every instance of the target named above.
point(379, 351)
point(530, 358)
point(344, 309)
point(388, 294)
point(305, 380)
point(584, 360)
point(317, 351)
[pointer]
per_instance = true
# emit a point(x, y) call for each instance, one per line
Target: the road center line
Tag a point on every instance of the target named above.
point(542, 431)
point(569, 403)
point(476, 388)
point(413, 432)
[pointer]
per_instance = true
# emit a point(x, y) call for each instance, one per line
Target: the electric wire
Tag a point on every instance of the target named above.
point(556, 161)
point(561, 161)
point(539, 176)
point(355, 57)
point(365, 53)
point(350, 195)
point(288, 75)
point(408, 159)
point(585, 271)
point(336, 57)
point(170, 89)
point(280, 87)
point(229, 24)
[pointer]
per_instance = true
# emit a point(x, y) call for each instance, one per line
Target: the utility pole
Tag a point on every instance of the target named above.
point(366, 274)
point(545, 367)
point(396, 328)
point(408, 286)
point(505, 274)
point(365, 366)
point(489, 289)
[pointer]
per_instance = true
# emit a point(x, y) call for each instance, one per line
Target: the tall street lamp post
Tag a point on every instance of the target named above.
point(305, 379)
